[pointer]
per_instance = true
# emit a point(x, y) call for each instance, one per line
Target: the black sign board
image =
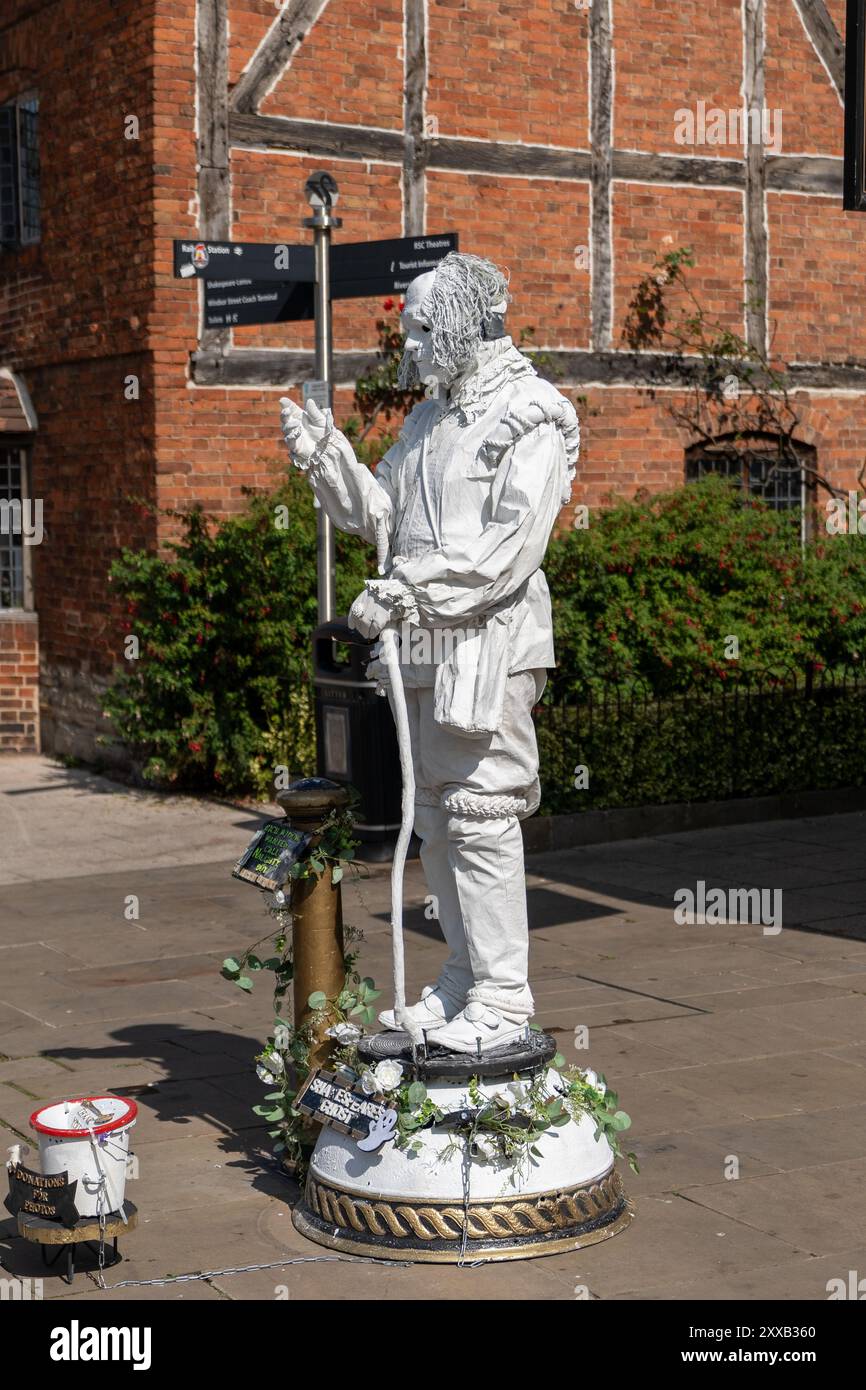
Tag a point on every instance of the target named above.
point(249, 282)
point(854, 164)
point(385, 267)
point(52, 1197)
point(242, 301)
point(226, 260)
point(337, 1101)
point(270, 854)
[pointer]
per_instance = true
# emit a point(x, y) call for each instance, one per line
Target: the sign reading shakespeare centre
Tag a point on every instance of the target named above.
point(52, 1197)
point(240, 301)
point(249, 282)
point(270, 854)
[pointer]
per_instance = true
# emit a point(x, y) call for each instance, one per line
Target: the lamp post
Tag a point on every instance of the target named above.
point(322, 193)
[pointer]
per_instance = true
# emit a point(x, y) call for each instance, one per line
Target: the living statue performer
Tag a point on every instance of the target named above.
point(469, 495)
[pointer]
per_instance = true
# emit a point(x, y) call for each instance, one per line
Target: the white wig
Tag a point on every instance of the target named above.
point(467, 296)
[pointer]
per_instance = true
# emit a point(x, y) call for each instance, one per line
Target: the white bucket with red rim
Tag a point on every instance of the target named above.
point(88, 1138)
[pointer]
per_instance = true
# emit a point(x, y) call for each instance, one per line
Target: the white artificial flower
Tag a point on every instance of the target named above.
point(345, 1033)
point(270, 1068)
point(517, 1094)
point(592, 1079)
point(486, 1148)
point(388, 1074)
point(369, 1084)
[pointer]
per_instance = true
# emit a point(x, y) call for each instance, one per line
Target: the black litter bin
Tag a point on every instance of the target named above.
point(356, 742)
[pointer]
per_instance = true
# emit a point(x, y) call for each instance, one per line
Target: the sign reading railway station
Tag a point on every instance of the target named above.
point(225, 260)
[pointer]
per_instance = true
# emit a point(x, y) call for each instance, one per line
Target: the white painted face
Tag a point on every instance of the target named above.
point(417, 330)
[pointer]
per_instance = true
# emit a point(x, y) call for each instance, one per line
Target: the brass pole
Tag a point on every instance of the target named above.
point(317, 915)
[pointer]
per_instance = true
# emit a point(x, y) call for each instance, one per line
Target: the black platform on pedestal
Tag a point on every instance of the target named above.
point(527, 1056)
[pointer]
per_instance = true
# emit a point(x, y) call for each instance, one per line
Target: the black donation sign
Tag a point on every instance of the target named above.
point(52, 1197)
point(270, 855)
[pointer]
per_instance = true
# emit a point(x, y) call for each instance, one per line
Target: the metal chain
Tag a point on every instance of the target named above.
point(249, 1269)
point(464, 1168)
point(100, 1210)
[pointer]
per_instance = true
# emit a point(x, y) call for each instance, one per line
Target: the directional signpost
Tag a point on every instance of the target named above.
point(247, 282)
point(273, 282)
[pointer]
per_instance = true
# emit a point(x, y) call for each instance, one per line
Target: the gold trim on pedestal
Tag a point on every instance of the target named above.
point(509, 1228)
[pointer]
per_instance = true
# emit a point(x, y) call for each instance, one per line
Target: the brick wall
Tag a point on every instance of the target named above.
point(96, 303)
point(19, 682)
point(74, 322)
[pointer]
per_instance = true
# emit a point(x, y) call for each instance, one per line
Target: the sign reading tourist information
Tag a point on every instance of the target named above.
point(385, 267)
point(248, 282)
point(337, 1101)
point(52, 1197)
point(270, 854)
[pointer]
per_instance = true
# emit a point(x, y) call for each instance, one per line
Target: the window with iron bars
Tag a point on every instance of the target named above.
point(783, 481)
point(19, 173)
point(15, 574)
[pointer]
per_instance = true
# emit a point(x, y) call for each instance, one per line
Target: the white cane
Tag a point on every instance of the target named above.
point(391, 660)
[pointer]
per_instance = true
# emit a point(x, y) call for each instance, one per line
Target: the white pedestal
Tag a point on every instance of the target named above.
point(394, 1204)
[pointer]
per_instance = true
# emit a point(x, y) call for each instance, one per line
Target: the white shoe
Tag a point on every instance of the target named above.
point(475, 1024)
point(432, 1010)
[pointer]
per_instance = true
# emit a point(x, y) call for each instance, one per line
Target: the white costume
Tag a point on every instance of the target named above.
point(469, 494)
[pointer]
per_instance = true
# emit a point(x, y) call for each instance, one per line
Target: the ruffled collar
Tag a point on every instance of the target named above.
point(495, 365)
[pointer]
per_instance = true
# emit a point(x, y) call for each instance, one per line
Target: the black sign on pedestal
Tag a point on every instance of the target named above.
point(52, 1197)
point(337, 1101)
point(270, 854)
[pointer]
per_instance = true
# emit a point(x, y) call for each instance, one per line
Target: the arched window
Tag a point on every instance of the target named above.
point(780, 471)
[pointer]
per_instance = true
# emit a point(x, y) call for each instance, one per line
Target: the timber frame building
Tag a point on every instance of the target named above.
point(553, 136)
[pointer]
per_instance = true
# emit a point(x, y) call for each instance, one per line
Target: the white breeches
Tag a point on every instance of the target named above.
point(471, 794)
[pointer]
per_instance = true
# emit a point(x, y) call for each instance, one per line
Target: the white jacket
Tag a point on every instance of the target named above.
point(501, 449)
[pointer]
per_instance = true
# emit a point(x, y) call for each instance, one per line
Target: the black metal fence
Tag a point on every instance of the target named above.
point(741, 733)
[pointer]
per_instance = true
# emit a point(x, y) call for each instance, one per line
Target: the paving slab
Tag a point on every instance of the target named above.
point(737, 1046)
point(814, 1209)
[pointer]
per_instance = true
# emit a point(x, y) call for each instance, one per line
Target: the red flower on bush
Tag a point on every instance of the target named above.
point(194, 747)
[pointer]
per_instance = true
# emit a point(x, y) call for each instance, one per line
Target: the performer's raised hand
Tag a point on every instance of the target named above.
point(303, 428)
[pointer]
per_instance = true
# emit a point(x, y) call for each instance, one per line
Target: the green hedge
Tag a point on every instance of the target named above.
point(751, 738)
point(654, 587)
point(646, 597)
point(221, 692)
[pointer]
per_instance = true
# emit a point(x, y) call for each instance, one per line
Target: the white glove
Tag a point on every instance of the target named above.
point(368, 615)
point(383, 601)
point(304, 429)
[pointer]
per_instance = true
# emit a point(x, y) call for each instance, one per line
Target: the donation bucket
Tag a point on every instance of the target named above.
point(88, 1138)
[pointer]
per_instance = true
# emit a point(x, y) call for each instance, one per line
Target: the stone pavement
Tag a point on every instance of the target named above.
point(731, 1046)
